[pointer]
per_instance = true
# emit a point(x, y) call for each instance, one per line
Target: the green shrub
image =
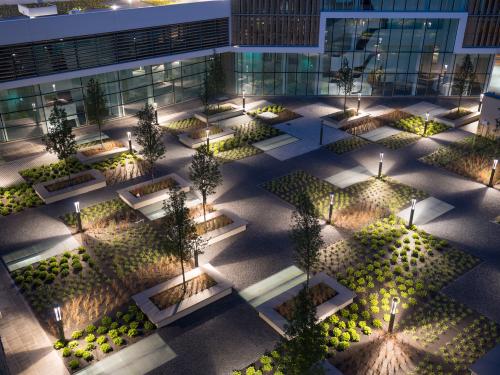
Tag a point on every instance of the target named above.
point(90, 337)
point(106, 321)
point(236, 372)
point(148, 326)
point(265, 359)
point(377, 323)
point(106, 348)
point(101, 340)
point(59, 344)
point(343, 345)
point(366, 330)
point(102, 330)
point(89, 347)
point(77, 334)
point(134, 325)
point(64, 272)
point(113, 333)
point(66, 352)
point(127, 318)
point(118, 341)
point(345, 336)
point(132, 332)
point(73, 344)
point(114, 325)
point(79, 353)
point(90, 328)
point(88, 356)
point(74, 364)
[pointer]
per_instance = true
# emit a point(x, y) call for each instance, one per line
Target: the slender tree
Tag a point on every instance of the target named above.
point(205, 93)
point(306, 235)
point(218, 76)
point(96, 104)
point(463, 78)
point(303, 347)
point(149, 135)
point(346, 79)
point(180, 229)
point(205, 174)
point(60, 139)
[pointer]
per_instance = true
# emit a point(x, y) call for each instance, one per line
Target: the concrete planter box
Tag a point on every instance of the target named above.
point(149, 199)
point(343, 298)
point(101, 156)
point(339, 124)
point(186, 140)
point(49, 10)
point(474, 116)
point(238, 225)
point(98, 182)
point(236, 111)
point(189, 305)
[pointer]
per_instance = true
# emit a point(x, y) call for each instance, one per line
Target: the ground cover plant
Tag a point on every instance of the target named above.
point(471, 157)
point(283, 113)
point(7, 11)
point(216, 109)
point(167, 183)
point(68, 182)
point(434, 334)
point(95, 148)
point(456, 114)
point(413, 124)
point(183, 126)
point(18, 198)
point(213, 224)
point(240, 146)
point(341, 115)
point(347, 145)
point(52, 171)
point(400, 140)
point(201, 133)
point(354, 206)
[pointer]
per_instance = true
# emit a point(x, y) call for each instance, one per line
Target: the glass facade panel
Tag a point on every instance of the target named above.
point(395, 5)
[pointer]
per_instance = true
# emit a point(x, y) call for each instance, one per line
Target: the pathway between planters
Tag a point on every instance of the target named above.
point(139, 358)
point(27, 348)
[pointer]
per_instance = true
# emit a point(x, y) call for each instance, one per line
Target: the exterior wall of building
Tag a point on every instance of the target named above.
point(275, 22)
point(390, 57)
point(396, 5)
point(24, 111)
point(483, 24)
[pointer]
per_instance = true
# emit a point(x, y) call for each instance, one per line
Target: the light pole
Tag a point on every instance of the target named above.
point(321, 134)
point(412, 212)
point(207, 133)
point(481, 97)
point(330, 211)
point(155, 106)
point(394, 306)
point(129, 137)
point(244, 100)
point(359, 104)
point(58, 316)
point(380, 164)
point(426, 123)
point(78, 217)
point(493, 170)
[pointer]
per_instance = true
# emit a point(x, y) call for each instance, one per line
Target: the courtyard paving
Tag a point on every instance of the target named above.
point(229, 334)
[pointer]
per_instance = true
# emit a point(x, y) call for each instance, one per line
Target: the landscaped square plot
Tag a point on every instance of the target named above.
point(219, 225)
point(94, 151)
point(399, 140)
point(426, 211)
point(380, 133)
point(346, 145)
point(471, 157)
point(184, 125)
point(328, 295)
point(350, 177)
point(282, 114)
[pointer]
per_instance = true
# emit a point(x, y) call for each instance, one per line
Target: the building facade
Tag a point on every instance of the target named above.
point(143, 54)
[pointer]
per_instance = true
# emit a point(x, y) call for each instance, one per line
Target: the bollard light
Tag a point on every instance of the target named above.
point(412, 212)
point(207, 134)
point(330, 211)
point(129, 137)
point(481, 97)
point(155, 106)
point(493, 170)
point(321, 133)
point(359, 103)
point(244, 99)
point(426, 123)
point(78, 217)
point(380, 164)
point(394, 306)
point(57, 313)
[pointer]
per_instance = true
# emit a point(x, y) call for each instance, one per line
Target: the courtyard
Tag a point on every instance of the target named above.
point(444, 269)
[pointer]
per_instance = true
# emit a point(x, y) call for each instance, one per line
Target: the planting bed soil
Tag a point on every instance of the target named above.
point(283, 114)
point(319, 293)
point(362, 126)
point(177, 294)
point(471, 157)
point(73, 181)
point(121, 168)
point(455, 115)
point(142, 191)
point(213, 224)
point(95, 148)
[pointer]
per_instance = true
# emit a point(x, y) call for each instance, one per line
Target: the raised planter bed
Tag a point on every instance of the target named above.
point(153, 191)
point(233, 226)
point(341, 298)
point(37, 11)
point(150, 299)
point(336, 121)
point(188, 140)
point(62, 188)
point(94, 153)
point(233, 112)
point(459, 121)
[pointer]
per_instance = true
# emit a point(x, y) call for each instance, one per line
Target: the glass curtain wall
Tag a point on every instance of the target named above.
point(25, 110)
point(389, 57)
point(396, 5)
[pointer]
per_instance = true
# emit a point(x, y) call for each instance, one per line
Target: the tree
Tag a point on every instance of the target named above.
point(60, 139)
point(306, 235)
point(346, 79)
point(96, 104)
point(205, 174)
point(463, 78)
point(205, 94)
point(218, 76)
point(149, 135)
point(180, 229)
point(303, 347)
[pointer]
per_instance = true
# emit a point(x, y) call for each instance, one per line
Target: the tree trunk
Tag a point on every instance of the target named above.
point(183, 272)
point(152, 167)
point(459, 102)
point(345, 99)
point(100, 132)
point(68, 169)
point(204, 194)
